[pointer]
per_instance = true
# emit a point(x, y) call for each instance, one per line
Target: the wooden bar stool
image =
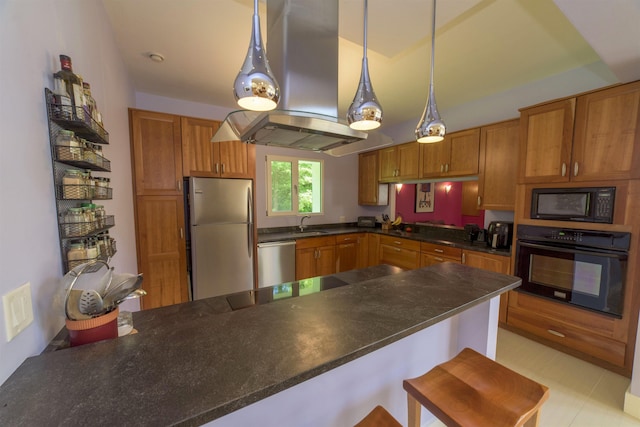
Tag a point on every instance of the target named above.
point(379, 417)
point(473, 390)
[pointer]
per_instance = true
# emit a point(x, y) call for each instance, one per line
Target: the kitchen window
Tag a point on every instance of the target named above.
point(294, 186)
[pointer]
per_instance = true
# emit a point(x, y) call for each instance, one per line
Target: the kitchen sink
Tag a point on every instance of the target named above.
point(310, 233)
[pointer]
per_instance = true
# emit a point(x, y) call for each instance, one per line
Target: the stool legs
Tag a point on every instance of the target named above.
point(414, 409)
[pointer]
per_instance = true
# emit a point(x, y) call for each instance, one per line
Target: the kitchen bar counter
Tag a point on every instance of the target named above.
point(205, 366)
point(441, 235)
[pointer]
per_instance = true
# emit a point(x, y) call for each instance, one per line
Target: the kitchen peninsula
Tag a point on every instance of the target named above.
point(322, 359)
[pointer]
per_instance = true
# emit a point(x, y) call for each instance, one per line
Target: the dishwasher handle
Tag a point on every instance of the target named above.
point(270, 244)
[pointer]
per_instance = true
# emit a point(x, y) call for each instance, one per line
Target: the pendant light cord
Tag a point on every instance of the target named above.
point(364, 45)
point(433, 44)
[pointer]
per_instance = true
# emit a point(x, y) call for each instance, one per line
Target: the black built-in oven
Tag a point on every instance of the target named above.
point(585, 268)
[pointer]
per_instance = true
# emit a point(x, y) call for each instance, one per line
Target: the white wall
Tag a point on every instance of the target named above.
point(32, 35)
point(341, 173)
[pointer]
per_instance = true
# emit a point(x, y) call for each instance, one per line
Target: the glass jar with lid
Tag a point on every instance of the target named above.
point(73, 184)
point(69, 146)
point(74, 223)
point(76, 254)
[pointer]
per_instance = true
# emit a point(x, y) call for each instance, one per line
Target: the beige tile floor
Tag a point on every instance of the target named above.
point(582, 394)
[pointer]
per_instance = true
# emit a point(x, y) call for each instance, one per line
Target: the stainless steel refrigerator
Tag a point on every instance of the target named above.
point(220, 236)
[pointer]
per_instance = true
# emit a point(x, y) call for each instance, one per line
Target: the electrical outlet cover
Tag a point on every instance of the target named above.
point(18, 310)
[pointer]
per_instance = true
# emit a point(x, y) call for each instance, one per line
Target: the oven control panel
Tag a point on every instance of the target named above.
point(570, 236)
point(566, 235)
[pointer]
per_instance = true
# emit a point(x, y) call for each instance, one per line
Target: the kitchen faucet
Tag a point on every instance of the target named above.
point(302, 222)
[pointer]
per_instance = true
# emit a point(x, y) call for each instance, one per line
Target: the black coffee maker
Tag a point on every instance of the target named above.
point(500, 234)
point(472, 231)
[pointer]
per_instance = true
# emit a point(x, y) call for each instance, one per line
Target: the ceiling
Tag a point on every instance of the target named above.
point(483, 47)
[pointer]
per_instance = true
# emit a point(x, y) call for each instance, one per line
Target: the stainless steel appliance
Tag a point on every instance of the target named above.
point(499, 234)
point(591, 204)
point(581, 267)
point(276, 263)
point(220, 236)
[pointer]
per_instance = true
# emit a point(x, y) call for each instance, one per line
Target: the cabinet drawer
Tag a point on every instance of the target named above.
point(550, 329)
point(428, 259)
point(314, 242)
point(398, 242)
point(442, 251)
point(399, 257)
point(348, 238)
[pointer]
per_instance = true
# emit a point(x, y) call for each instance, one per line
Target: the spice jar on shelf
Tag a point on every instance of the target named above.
point(73, 184)
point(76, 254)
point(69, 146)
point(74, 223)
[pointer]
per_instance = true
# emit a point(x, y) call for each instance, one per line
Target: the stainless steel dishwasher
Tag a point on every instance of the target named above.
point(276, 263)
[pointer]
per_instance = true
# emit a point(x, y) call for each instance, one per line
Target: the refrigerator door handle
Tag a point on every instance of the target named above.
point(250, 223)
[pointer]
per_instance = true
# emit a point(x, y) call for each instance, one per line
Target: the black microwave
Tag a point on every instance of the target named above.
point(593, 204)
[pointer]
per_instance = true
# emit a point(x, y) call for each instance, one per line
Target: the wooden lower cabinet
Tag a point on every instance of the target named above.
point(351, 251)
point(161, 250)
point(431, 254)
point(495, 263)
point(573, 329)
point(403, 253)
point(315, 256)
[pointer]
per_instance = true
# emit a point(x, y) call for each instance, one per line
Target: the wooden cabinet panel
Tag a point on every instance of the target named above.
point(351, 251)
point(606, 142)
point(470, 198)
point(315, 256)
point(374, 249)
point(201, 157)
point(197, 148)
point(428, 259)
point(486, 261)
point(157, 152)
point(399, 162)
point(456, 155)
point(498, 165)
point(369, 188)
point(545, 141)
point(161, 249)
point(588, 333)
point(399, 257)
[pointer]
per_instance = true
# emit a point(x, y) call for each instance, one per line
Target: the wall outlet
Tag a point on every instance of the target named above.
point(18, 310)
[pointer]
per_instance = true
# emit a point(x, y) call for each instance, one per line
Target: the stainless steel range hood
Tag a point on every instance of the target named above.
point(302, 46)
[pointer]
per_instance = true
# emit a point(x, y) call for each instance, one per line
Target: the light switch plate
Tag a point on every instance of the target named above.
point(18, 310)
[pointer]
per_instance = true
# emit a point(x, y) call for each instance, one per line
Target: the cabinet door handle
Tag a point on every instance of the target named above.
point(441, 167)
point(575, 169)
point(179, 185)
point(564, 169)
point(464, 259)
point(479, 201)
point(446, 167)
point(396, 242)
point(556, 333)
point(223, 168)
point(181, 233)
point(440, 251)
point(217, 168)
point(437, 258)
point(397, 249)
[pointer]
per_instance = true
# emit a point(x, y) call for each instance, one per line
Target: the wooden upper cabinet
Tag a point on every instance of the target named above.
point(546, 132)
point(498, 165)
point(368, 185)
point(399, 162)
point(203, 158)
point(456, 155)
point(157, 152)
point(606, 140)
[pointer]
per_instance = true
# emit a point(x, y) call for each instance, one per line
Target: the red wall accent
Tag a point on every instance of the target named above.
point(446, 207)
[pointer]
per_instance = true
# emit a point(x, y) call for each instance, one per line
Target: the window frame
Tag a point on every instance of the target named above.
point(295, 179)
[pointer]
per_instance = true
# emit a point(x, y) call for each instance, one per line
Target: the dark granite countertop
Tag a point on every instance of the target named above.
point(195, 362)
point(441, 235)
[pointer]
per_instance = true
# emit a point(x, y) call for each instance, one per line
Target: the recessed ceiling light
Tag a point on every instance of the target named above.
point(156, 57)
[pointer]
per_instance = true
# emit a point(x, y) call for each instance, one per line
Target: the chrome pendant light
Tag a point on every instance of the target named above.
point(365, 113)
point(431, 127)
point(255, 87)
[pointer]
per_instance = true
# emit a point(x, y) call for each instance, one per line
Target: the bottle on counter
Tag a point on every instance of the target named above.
point(73, 84)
